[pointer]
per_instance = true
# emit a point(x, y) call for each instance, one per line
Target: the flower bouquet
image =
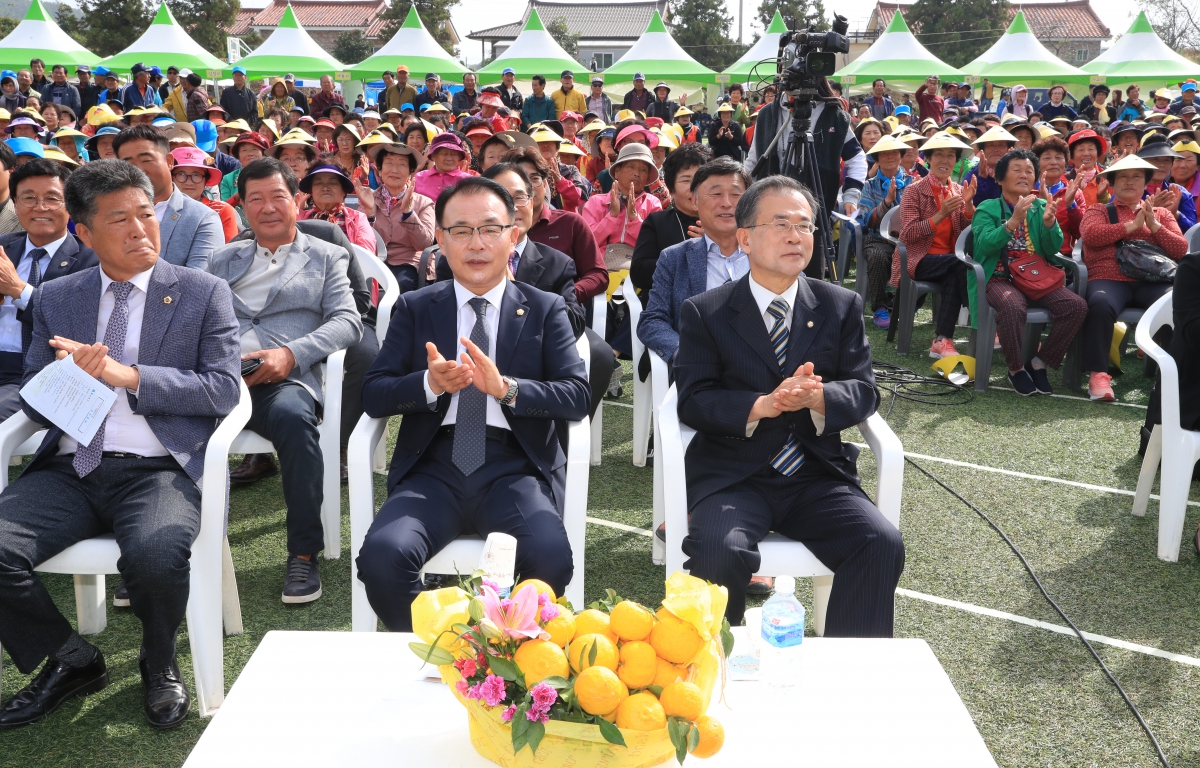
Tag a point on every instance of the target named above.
point(615, 685)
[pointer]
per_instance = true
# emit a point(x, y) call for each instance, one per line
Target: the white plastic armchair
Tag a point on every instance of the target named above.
point(599, 325)
point(780, 555)
point(1176, 448)
point(212, 599)
point(1193, 238)
point(462, 554)
point(374, 268)
point(642, 407)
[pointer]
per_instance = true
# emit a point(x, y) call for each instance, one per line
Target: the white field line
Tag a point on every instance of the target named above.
point(1073, 397)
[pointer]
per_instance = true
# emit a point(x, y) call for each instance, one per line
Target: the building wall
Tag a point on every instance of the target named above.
point(1074, 52)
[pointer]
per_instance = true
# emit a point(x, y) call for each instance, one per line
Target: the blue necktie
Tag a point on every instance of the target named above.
point(470, 426)
point(789, 459)
point(87, 457)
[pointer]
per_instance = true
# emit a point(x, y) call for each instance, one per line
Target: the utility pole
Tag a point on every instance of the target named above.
point(741, 21)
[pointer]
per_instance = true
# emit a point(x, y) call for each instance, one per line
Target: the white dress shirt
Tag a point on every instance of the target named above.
point(10, 327)
point(763, 298)
point(253, 287)
point(724, 269)
point(160, 210)
point(124, 431)
point(466, 324)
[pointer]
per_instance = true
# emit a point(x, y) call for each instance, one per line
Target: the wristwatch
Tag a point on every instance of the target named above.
point(511, 395)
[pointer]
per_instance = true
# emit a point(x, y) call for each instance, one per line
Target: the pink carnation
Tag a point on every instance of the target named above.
point(467, 667)
point(491, 690)
point(489, 583)
point(549, 612)
point(462, 686)
point(544, 696)
point(507, 715)
point(543, 599)
point(537, 717)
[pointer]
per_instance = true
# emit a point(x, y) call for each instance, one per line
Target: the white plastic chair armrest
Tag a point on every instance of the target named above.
point(600, 313)
point(575, 503)
point(1143, 335)
point(359, 459)
point(14, 431)
point(889, 460)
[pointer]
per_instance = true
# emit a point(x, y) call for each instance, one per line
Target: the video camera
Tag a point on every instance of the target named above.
point(805, 58)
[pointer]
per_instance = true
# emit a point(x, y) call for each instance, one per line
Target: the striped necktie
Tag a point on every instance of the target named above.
point(789, 459)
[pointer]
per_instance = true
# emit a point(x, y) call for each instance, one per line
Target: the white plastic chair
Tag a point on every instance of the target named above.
point(780, 555)
point(374, 268)
point(1176, 448)
point(599, 325)
point(462, 554)
point(212, 599)
point(660, 384)
point(1193, 238)
point(642, 407)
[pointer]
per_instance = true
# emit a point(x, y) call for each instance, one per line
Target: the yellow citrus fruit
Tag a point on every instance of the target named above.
point(630, 621)
point(712, 736)
point(683, 700)
point(673, 639)
point(539, 659)
point(580, 651)
point(611, 716)
point(641, 712)
point(638, 664)
point(667, 673)
point(591, 622)
point(599, 690)
point(542, 587)
point(562, 627)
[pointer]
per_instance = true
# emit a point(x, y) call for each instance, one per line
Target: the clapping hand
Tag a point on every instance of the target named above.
point(801, 390)
point(366, 199)
point(487, 378)
point(630, 208)
point(11, 283)
point(614, 200)
point(1148, 218)
point(1048, 217)
point(448, 375)
point(968, 195)
point(95, 362)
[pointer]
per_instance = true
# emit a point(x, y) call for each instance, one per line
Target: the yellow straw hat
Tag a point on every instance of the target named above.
point(544, 134)
point(568, 148)
point(945, 140)
point(375, 137)
point(888, 143)
point(1128, 163)
point(995, 133)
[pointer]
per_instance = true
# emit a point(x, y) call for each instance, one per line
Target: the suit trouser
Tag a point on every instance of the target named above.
point(10, 399)
point(831, 517)
point(286, 414)
point(435, 504)
point(358, 360)
point(150, 505)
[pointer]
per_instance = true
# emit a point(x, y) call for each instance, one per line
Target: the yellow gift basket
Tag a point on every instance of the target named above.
point(617, 685)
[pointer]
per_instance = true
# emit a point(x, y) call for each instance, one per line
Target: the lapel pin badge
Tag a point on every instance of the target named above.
point(810, 323)
point(520, 312)
point(62, 264)
point(167, 300)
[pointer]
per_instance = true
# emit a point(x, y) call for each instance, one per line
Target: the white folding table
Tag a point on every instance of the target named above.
point(358, 699)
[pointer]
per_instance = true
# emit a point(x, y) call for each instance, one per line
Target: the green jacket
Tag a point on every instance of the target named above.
point(990, 239)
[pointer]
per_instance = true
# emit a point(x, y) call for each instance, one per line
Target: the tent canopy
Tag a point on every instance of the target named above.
point(758, 63)
point(1019, 57)
point(288, 49)
point(658, 57)
point(534, 52)
point(1140, 56)
point(413, 46)
point(39, 37)
point(165, 43)
point(897, 57)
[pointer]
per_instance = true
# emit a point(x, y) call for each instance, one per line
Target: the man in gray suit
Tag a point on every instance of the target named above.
point(165, 339)
point(295, 308)
point(190, 231)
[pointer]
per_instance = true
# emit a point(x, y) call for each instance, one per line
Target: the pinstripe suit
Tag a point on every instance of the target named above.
point(724, 363)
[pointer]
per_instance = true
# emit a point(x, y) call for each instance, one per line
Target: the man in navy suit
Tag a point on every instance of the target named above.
point(770, 369)
point(42, 251)
point(165, 339)
point(483, 370)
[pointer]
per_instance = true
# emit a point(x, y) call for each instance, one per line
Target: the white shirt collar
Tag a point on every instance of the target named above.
point(141, 280)
point(462, 295)
point(710, 245)
point(263, 253)
point(763, 297)
point(51, 247)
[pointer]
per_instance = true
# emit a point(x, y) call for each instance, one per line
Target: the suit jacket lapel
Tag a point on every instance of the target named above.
point(63, 260)
point(162, 297)
point(530, 268)
point(806, 323)
point(170, 217)
point(697, 259)
point(513, 312)
point(749, 324)
point(83, 325)
point(445, 321)
point(297, 258)
point(16, 251)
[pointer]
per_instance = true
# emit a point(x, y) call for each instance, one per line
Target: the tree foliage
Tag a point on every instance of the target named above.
point(557, 27)
point(206, 21)
point(804, 13)
point(702, 28)
point(351, 47)
point(435, 14)
point(956, 31)
point(105, 27)
point(7, 25)
point(1176, 23)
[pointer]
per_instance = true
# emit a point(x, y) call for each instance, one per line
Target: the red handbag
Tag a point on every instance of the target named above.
point(1031, 274)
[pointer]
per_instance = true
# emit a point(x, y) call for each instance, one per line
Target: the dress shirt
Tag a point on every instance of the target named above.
point(466, 323)
point(125, 431)
point(160, 210)
point(520, 249)
point(724, 269)
point(763, 298)
point(10, 326)
point(255, 285)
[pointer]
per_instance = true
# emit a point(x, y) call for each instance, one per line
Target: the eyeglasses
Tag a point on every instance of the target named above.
point(489, 233)
point(521, 200)
point(32, 201)
point(536, 179)
point(194, 178)
point(783, 225)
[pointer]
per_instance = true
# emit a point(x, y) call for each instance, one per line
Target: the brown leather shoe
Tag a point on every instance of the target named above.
point(254, 467)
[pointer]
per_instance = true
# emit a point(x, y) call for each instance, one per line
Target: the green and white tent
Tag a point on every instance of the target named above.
point(897, 57)
point(1018, 57)
point(39, 37)
point(165, 43)
point(757, 65)
point(413, 46)
point(534, 52)
point(288, 49)
point(658, 57)
point(1140, 56)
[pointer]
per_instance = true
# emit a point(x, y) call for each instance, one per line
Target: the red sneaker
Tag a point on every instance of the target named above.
point(943, 347)
point(1100, 387)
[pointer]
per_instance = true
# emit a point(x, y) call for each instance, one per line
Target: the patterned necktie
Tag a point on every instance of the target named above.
point(514, 259)
point(789, 459)
point(35, 279)
point(88, 457)
point(470, 430)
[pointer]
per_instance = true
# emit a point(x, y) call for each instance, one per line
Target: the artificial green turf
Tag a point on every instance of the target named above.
point(1036, 696)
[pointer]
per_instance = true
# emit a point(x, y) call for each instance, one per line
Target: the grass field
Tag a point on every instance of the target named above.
point(1036, 696)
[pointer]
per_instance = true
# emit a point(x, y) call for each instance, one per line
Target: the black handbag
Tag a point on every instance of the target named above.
point(1141, 260)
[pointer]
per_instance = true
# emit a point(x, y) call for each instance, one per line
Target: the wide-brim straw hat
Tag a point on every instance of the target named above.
point(888, 143)
point(945, 140)
point(1130, 162)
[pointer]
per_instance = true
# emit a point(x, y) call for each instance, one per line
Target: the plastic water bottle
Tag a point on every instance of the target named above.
point(782, 634)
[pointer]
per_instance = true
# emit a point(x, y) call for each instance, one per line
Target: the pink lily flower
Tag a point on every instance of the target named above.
point(515, 617)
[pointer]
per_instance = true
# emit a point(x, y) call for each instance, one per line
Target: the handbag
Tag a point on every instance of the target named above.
point(1140, 259)
point(1031, 274)
point(619, 256)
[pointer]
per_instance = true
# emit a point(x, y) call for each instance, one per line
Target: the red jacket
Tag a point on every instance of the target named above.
point(1100, 239)
point(917, 207)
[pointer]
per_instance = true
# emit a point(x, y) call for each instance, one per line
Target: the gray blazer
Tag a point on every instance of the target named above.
point(310, 310)
point(187, 361)
point(189, 232)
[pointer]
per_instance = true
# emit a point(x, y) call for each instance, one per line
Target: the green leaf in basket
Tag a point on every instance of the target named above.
point(678, 729)
point(558, 683)
point(506, 669)
point(655, 689)
point(726, 638)
point(534, 735)
point(693, 738)
point(475, 609)
point(592, 654)
point(432, 654)
point(520, 728)
point(610, 732)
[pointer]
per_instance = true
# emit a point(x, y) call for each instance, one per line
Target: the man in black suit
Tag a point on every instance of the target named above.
point(535, 264)
point(43, 251)
point(484, 370)
point(770, 369)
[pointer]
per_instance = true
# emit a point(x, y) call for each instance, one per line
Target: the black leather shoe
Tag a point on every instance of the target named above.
point(56, 683)
point(254, 467)
point(167, 701)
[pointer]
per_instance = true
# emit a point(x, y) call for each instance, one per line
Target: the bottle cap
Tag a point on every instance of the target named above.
point(784, 585)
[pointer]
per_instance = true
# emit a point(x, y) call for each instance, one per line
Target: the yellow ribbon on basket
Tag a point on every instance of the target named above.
point(434, 612)
point(945, 367)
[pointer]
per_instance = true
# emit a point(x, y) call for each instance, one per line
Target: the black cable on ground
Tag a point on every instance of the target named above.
point(904, 384)
point(905, 378)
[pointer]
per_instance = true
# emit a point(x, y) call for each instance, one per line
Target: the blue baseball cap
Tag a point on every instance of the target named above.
point(239, 70)
point(405, 106)
point(206, 135)
point(1188, 87)
point(98, 72)
point(108, 130)
point(903, 109)
point(638, 76)
point(508, 71)
point(155, 72)
point(425, 107)
point(164, 121)
point(27, 147)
